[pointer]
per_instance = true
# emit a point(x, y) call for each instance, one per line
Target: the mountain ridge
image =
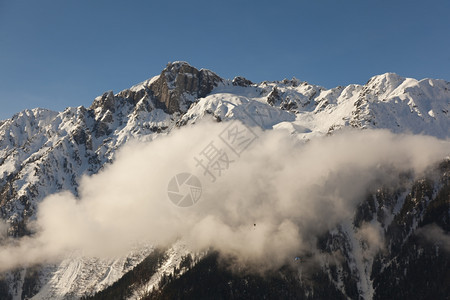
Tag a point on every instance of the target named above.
point(420, 107)
point(43, 152)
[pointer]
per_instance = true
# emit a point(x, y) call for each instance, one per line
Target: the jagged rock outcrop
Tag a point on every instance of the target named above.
point(241, 81)
point(180, 84)
point(274, 97)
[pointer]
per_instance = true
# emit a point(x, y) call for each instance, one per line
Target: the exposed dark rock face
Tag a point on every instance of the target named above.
point(180, 84)
point(417, 263)
point(105, 101)
point(241, 81)
point(274, 97)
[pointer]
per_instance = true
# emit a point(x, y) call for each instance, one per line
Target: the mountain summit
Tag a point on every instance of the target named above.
point(173, 91)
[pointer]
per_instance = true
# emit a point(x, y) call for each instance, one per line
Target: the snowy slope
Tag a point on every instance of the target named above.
point(78, 276)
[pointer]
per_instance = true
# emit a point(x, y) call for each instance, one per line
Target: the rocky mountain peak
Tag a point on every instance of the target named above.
point(241, 81)
point(105, 101)
point(384, 84)
point(173, 69)
point(180, 84)
point(174, 90)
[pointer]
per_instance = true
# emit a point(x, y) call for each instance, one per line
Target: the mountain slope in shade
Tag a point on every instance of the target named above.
point(43, 152)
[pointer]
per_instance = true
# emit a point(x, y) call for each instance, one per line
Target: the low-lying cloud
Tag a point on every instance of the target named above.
point(436, 235)
point(271, 201)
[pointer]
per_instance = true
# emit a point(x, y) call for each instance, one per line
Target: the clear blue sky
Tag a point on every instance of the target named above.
point(55, 54)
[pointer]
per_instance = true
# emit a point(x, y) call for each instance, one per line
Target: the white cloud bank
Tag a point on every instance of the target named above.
point(291, 192)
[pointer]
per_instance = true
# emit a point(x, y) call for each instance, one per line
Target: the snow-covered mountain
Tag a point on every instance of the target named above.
point(43, 152)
